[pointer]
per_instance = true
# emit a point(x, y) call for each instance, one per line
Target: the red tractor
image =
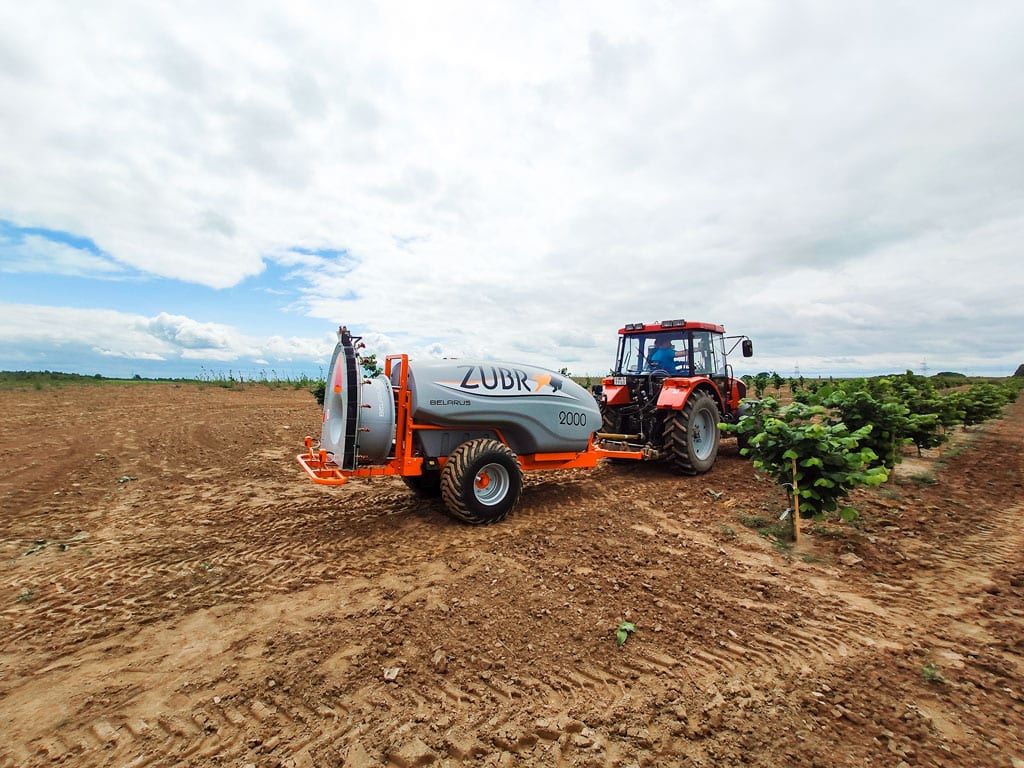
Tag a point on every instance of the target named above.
point(671, 386)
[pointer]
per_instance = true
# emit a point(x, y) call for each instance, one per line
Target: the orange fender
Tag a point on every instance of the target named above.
point(616, 395)
point(674, 395)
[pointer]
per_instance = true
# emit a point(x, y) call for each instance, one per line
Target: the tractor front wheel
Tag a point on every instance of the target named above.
point(481, 482)
point(691, 435)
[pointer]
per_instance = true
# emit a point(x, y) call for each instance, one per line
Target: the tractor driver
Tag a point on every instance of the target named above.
point(663, 357)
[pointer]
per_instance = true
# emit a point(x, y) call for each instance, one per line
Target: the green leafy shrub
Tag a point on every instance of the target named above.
point(886, 415)
point(925, 425)
point(830, 459)
point(319, 391)
point(950, 409)
point(1013, 387)
point(982, 402)
point(761, 383)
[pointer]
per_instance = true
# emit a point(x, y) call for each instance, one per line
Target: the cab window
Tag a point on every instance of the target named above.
point(708, 354)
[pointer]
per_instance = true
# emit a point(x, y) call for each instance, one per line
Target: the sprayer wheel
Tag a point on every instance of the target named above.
point(691, 435)
point(427, 485)
point(481, 481)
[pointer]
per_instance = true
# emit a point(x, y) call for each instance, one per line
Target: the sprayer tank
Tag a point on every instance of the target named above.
point(534, 409)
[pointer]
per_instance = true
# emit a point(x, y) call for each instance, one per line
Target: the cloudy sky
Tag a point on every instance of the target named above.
point(198, 185)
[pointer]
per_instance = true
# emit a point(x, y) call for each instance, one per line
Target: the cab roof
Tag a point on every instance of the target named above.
point(669, 325)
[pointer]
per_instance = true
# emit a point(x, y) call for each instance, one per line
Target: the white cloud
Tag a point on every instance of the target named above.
point(187, 333)
point(128, 354)
point(508, 180)
point(35, 253)
point(112, 334)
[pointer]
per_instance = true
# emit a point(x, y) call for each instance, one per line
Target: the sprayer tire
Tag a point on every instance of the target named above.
point(469, 472)
point(427, 485)
point(692, 435)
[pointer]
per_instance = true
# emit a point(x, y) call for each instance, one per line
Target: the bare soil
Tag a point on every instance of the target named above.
point(174, 592)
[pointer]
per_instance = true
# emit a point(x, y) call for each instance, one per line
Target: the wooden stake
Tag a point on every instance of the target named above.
point(796, 506)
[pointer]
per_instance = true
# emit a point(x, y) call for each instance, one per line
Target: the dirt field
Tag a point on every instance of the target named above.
point(174, 592)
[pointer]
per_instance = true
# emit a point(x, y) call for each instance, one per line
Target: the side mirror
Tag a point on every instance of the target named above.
point(748, 348)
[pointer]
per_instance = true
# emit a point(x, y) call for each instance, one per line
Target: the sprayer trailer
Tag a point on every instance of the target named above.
point(463, 430)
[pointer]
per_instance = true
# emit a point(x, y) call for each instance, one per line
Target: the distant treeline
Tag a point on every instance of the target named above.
point(228, 380)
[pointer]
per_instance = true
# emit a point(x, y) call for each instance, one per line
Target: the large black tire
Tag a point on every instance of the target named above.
point(609, 419)
point(427, 485)
point(481, 482)
point(692, 435)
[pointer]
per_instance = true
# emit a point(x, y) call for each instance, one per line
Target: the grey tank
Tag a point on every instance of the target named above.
point(535, 410)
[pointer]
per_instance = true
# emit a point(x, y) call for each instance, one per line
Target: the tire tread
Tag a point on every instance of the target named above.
point(676, 440)
point(453, 480)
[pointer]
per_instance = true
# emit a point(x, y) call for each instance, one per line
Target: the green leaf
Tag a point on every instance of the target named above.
point(849, 514)
point(620, 637)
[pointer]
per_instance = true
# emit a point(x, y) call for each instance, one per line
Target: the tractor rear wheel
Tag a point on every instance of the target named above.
point(427, 485)
point(481, 482)
point(691, 435)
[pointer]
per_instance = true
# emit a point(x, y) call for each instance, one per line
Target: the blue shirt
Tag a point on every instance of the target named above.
point(663, 358)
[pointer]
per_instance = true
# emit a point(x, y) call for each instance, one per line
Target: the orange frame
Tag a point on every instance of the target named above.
point(323, 471)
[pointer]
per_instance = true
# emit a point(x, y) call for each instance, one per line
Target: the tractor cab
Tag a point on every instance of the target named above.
point(677, 350)
point(669, 389)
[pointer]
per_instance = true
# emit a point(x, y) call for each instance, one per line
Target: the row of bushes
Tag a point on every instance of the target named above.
point(843, 434)
point(907, 409)
point(761, 383)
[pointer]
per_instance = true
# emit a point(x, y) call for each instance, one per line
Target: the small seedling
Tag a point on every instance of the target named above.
point(931, 673)
point(27, 596)
point(622, 634)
